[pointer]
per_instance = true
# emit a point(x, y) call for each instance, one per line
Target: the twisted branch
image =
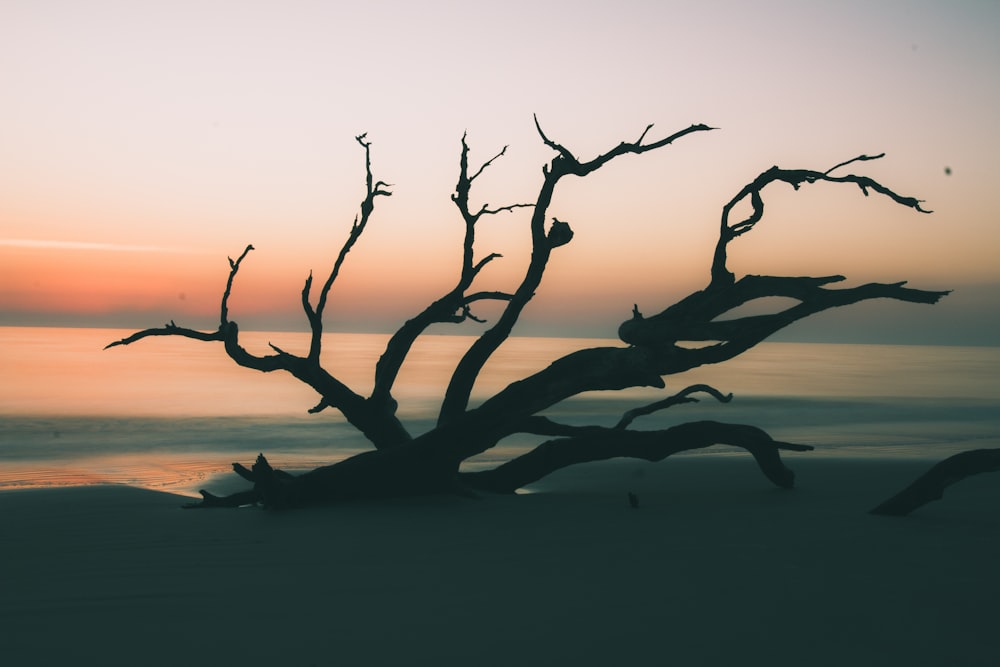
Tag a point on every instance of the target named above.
point(683, 396)
point(567, 161)
point(171, 329)
point(728, 231)
point(587, 444)
point(454, 306)
point(234, 267)
point(931, 485)
point(373, 189)
point(456, 399)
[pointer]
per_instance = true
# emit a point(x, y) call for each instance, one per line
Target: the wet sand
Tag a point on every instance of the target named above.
point(715, 567)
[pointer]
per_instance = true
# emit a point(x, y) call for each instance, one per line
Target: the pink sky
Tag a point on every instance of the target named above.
point(143, 144)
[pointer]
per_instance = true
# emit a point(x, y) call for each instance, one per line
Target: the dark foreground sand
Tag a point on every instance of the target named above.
point(716, 567)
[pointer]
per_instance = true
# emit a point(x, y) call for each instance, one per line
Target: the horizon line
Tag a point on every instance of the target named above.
point(91, 245)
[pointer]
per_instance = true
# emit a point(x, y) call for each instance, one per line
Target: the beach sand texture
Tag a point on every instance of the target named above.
point(715, 567)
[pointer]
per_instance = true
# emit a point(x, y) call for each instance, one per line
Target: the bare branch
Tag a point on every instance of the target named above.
point(306, 304)
point(466, 311)
point(464, 377)
point(279, 351)
point(169, 329)
point(453, 307)
point(653, 351)
point(383, 430)
point(572, 165)
point(695, 318)
point(487, 163)
point(794, 177)
point(644, 132)
point(931, 485)
point(483, 262)
point(373, 190)
point(598, 444)
point(683, 396)
point(234, 267)
point(482, 296)
point(562, 150)
point(860, 158)
point(319, 407)
point(464, 187)
point(485, 210)
point(467, 315)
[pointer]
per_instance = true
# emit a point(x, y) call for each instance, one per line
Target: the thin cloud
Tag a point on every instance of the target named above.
point(84, 245)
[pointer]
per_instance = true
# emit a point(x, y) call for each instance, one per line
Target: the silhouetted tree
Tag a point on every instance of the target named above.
point(402, 462)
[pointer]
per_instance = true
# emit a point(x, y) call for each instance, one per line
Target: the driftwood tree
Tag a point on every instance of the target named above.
point(402, 462)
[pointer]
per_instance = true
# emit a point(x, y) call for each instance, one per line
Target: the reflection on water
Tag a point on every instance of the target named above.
point(169, 413)
point(66, 372)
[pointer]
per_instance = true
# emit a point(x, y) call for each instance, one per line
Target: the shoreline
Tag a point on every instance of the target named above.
point(184, 473)
point(715, 566)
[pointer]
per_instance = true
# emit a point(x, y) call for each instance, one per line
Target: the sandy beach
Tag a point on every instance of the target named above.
point(715, 567)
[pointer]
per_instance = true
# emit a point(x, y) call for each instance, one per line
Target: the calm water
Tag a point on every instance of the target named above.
point(172, 413)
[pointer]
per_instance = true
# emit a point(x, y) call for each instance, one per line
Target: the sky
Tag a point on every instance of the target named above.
point(141, 143)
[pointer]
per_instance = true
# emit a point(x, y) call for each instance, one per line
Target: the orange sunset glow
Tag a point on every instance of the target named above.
point(145, 144)
point(354, 324)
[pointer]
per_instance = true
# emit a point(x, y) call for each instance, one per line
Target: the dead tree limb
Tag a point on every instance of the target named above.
point(171, 329)
point(456, 398)
point(381, 428)
point(931, 485)
point(596, 444)
point(315, 315)
point(683, 396)
point(696, 318)
point(456, 305)
point(728, 230)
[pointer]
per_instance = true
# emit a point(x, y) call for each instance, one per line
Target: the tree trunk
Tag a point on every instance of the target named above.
point(408, 469)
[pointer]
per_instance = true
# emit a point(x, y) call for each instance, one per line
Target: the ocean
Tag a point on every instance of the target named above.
point(172, 414)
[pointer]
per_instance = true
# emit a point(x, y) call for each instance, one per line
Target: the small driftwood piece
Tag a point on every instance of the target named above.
point(931, 485)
